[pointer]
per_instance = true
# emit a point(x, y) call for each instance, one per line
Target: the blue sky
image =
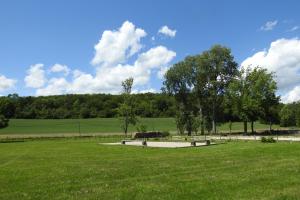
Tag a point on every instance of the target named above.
point(65, 33)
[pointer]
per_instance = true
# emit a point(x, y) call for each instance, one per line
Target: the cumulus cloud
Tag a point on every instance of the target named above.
point(165, 30)
point(115, 46)
point(112, 66)
point(55, 86)
point(60, 68)
point(283, 58)
point(6, 83)
point(292, 95)
point(35, 76)
point(161, 73)
point(268, 26)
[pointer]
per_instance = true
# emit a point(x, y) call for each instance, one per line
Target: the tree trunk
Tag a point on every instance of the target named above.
point(126, 132)
point(245, 127)
point(214, 128)
point(202, 121)
point(252, 127)
point(189, 132)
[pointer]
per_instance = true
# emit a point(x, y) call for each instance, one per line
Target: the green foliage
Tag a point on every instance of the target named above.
point(268, 140)
point(84, 106)
point(3, 121)
point(197, 122)
point(180, 123)
point(251, 95)
point(287, 116)
point(126, 109)
point(141, 127)
point(199, 84)
point(298, 116)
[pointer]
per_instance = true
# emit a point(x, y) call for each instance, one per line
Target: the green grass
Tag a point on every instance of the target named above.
point(83, 169)
point(99, 125)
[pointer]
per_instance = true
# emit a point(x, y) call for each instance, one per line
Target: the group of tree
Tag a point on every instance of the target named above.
point(290, 114)
point(84, 106)
point(209, 88)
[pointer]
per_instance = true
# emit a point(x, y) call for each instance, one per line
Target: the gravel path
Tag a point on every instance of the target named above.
point(158, 144)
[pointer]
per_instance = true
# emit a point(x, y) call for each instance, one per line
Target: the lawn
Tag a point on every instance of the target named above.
point(99, 125)
point(83, 169)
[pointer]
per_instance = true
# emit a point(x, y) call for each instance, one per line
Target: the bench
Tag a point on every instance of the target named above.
point(194, 143)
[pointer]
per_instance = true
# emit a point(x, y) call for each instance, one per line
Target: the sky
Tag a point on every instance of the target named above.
point(61, 47)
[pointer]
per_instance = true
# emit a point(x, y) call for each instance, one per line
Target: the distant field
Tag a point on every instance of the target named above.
point(100, 125)
point(83, 169)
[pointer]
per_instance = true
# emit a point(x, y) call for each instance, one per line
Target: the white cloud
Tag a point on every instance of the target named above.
point(283, 58)
point(60, 68)
point(6, 83)
point(165, 30)
point(268, 26)
point(56, 86)
point(112, 65)
point(150, 90)
point(35, 76)
point(115, 46)
point(161, 73)
point(294, 28)
point(292, 95)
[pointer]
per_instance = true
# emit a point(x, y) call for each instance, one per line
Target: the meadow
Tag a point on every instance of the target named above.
point(84, 169)
point(101, 125)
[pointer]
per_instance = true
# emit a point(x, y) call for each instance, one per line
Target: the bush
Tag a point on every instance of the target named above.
point(3, 121)
point(151, 134)
point(142, 128)
point(268, 140)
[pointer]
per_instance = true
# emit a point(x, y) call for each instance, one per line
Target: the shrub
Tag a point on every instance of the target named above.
point(151, 134)
point(268, 140)
point(142, 128)
point(3, 121)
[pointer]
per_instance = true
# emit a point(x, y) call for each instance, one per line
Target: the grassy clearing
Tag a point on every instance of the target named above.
point(83, 169)
point(100, 125)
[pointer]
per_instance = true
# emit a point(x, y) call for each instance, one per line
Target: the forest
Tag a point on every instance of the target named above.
point(84, 106)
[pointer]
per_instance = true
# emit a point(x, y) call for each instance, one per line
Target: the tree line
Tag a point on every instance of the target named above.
point(84, 106)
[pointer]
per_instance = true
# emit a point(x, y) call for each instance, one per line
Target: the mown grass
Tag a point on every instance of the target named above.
point(99, 125)
point(83, 169)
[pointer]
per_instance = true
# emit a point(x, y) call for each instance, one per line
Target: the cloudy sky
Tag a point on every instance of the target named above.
point(59, 47)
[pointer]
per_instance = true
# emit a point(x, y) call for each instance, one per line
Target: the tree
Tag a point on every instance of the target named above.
point(178, 81)
point(287, 116)
point(126, 109)
point(199, 84)
point(252, 95)
point(214, 70)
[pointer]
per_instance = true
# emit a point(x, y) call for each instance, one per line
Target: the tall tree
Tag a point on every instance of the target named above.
point(252, 95)
point(126, 109)
point(178, 81)
point(214, 70)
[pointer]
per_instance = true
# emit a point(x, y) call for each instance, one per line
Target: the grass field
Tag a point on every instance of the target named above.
point(100, 125)
point(83, 169)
